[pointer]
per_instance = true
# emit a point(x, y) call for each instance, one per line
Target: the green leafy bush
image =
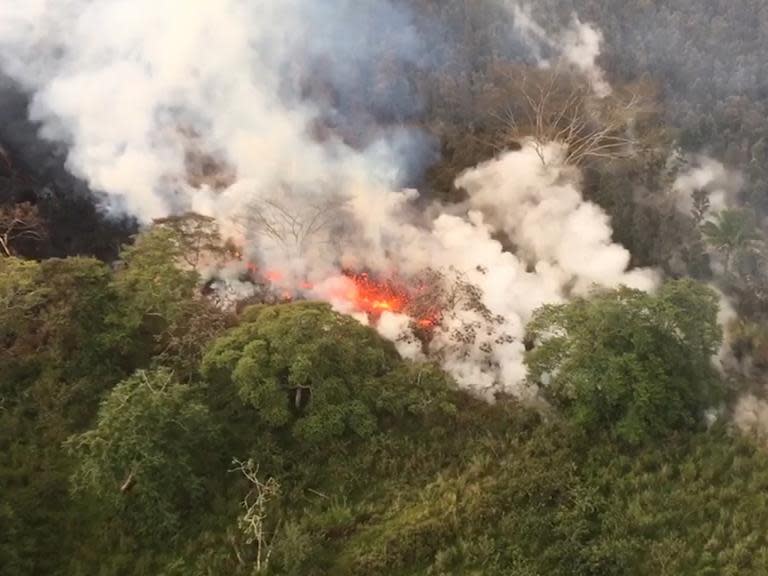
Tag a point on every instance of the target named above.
point(635, 363)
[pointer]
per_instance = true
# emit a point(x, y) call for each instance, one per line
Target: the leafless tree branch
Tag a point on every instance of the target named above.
point(253, 521)
point(559, 108)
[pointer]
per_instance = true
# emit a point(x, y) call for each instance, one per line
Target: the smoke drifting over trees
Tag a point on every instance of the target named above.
point(297, 117)
point(300, 132)
point(445, 279)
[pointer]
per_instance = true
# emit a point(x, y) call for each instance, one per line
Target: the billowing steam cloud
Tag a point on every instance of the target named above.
point(562, 247)
point(252, 112)
point(137, 88)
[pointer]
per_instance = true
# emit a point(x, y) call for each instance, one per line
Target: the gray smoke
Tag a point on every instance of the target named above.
point(578, 45)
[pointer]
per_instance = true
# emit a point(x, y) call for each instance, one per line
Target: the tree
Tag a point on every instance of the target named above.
point(19, 222)
point(255, 522)
point(150, 273)
point(197, 238)
point(161, 309)
point(294, 221)
point(731, 232)
point(54, 323)
point(558, 107)
point(701, 205)
point(55, 363)
point(319, 374)
point(144, 459)
point(637, 364)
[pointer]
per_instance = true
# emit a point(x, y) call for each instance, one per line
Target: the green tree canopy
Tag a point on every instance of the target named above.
point(319, 373)
point(635, 363)
point(161, 310)
point(54, 329)
point(144, 459)
point(156, 291)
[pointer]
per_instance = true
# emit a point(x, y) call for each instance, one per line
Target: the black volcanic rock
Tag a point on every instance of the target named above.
point(34, 170)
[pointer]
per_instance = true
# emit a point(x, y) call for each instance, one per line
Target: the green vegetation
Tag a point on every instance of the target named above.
point(336, 374)
point(629, 361)
point(143, 431)
point(143, 459)
point(295, 439)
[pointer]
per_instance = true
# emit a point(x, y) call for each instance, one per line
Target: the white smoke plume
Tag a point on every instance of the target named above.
point(577, 45)
point(562, 243)
point(539, 206)
point(719, 186)
point(706, 174)
point(140, 89)
point(131, 86)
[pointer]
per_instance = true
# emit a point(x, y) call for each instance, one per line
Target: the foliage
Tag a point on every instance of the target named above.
point(730, 232)
point(511, 495)
point(143, 459)
point(160, 312)
point(54, 331)
point(55, 361)
point(317, 372)
point(431, 482)
point(195, 237)
point(66, 337)
point(383, 467)
point(629, 361)
point(155, 290)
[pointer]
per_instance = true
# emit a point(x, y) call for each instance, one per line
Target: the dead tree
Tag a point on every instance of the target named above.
point(254, 519)
point(558, 107)
point(293, 222)
point(19, 222)
point(128, 483)
point(441, 301)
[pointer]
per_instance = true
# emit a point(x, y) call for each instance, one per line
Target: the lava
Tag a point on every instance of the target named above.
point(375, 297)
point(271, 276)
point(365, 293)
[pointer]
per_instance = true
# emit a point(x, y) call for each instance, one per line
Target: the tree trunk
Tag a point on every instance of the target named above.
point(129, 483)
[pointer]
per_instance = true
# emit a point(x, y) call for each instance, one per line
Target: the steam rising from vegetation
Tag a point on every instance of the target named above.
point(348, 207)
point(256, 133)
point(577, 45)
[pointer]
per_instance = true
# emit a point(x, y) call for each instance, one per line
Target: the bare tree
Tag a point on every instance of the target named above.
point(701, 205)
point(254, 519)
point(556, 106)
point(19, 222)
point(293, 222)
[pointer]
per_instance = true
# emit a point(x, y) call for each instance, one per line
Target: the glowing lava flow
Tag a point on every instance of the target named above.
point(376, 297)
point(365, 294)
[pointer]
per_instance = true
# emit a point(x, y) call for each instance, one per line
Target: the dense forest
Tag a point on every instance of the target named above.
point(169, 406)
